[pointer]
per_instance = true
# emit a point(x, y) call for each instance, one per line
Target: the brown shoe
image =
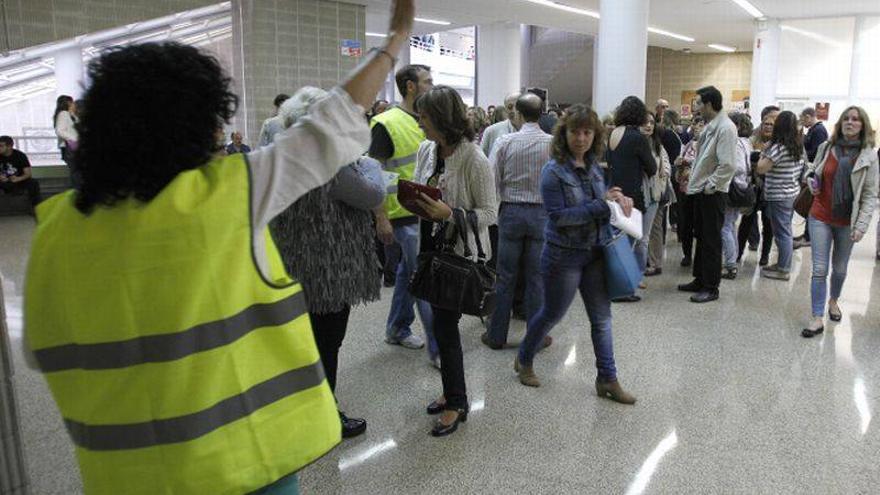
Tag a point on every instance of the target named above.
point(613, 391)
point(526, 374)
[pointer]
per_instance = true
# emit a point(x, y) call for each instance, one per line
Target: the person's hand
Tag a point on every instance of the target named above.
point(384, 230)
point(678, 161)
point(3, 178)
point(615, 194)
point(402, 14)
point(857, 235)
point(435, 210)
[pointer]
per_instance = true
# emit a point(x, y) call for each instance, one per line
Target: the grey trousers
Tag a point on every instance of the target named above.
point(656, 246)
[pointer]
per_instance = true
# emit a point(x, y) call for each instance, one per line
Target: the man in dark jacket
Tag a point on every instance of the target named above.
point(816, 135)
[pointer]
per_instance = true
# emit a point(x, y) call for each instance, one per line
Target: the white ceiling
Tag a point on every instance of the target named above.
point(708, 21)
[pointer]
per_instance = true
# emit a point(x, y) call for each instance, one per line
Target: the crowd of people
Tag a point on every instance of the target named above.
point(226, 282)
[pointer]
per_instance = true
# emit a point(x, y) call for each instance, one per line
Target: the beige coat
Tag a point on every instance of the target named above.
point(865, 179)
point(467, 182)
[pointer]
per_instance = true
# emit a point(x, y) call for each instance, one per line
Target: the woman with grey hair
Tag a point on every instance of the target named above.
point(326, 242)
point(450, 161)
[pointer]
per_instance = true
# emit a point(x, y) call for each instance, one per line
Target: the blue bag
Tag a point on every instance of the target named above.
point(622, 274)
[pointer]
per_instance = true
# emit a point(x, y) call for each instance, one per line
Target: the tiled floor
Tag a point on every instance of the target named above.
point(731, 399)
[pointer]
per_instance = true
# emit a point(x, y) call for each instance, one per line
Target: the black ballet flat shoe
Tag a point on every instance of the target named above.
point(834, 316)
point(441, 430)
point(352, 427)
point(627, 299)
point(435, 407)
point(809, 334)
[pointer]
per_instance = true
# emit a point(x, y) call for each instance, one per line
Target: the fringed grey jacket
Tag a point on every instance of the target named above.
point(326, 239)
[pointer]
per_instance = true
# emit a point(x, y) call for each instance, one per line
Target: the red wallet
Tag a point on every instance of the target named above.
point(408, 193)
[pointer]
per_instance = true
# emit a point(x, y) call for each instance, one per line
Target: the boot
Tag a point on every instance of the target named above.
point(526, 374)
point(613, 391)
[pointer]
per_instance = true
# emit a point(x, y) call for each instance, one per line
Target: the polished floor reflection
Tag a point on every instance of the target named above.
point(731, 398)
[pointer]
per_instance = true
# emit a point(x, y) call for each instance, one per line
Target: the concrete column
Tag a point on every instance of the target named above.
point(403, 59)
point(526, 37)
point(498, 62)
point(765, 66)
point(621, 53)
point(69, 71)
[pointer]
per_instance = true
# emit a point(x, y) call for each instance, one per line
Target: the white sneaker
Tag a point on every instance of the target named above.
point(410, 342)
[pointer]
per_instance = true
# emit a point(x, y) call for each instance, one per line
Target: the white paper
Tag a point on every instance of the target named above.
point(631, 225)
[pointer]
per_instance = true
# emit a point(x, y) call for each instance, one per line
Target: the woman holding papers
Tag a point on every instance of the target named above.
point(575, 198)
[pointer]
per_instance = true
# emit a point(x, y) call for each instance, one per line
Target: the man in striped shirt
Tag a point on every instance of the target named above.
point(517, 159)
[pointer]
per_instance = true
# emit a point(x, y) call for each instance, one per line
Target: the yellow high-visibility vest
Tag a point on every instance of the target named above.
point(177, 366)
point(406, 135)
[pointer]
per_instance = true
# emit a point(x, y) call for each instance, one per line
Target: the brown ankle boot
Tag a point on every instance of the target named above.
point(613, 391)
point(526, 374)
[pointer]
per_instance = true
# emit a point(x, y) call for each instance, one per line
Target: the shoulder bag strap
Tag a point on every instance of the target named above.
point(458, 217)
point(472, 220)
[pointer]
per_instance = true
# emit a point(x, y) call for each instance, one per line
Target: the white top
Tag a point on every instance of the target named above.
point(271, 127)
point(65, 129)
point(518, 159)
point(467, 182)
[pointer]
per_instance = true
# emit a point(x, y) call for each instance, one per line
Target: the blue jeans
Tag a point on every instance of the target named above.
point(822, 237)
point(402, 316)
point(520, 237)
point(781, 213)
point(566, 271)
point(729, 247)
point(640, 247)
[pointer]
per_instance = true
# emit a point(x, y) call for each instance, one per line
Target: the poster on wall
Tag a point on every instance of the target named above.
point(351, 48)
point(822, 110)
point(685, 110)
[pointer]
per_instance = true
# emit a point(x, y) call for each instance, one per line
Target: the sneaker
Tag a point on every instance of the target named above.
point(488, 342)
point(773, 272)
point(435, 361)
point(412, 341)
point(729, 274)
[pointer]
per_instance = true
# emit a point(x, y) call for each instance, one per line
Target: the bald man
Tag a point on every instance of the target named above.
point(495, 131)
point(661, 107)
point(517, 160)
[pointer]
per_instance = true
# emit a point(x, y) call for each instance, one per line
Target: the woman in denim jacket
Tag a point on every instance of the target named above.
point(574, 195)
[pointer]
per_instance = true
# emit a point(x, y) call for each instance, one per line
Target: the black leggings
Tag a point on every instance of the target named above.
point(748, 224)
point(329, 330)
point(451, 358)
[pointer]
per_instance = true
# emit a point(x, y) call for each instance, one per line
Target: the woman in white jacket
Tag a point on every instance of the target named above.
point(729, 246)
point(451, 161)
point(64, 120)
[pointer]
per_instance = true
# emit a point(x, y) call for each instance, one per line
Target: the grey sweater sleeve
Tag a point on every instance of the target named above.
point(359, 185)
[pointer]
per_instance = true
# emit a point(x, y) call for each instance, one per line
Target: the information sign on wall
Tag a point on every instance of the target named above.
point(351, 48)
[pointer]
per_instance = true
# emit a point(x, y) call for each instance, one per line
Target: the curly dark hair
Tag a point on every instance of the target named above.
point(577, 117)
point(153, 112)
point(632, 111)
point(446, 110)
point(786, 133)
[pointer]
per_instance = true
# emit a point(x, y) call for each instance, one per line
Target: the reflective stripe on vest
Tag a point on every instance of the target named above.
point(406, 136)
point(177, 365)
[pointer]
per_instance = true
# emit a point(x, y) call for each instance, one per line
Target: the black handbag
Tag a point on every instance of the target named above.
point(742, 197)
point(452, 281)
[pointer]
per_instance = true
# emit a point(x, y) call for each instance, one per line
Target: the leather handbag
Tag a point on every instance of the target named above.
point(742, 197)
point(622, 274)
point(803, 202)
point(454, 282)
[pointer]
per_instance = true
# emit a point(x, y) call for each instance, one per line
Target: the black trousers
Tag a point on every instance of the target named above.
point(685, 223)
point(30, 186)
point(708, 216)
point(748, 228)
point(451, 358)
point(329, 330)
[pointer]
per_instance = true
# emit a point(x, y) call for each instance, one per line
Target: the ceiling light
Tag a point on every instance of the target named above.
point(671, 35)
point(748, 7)
point(377, 35)
point(722, 48)
point(574, 10)
point(432, 21)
